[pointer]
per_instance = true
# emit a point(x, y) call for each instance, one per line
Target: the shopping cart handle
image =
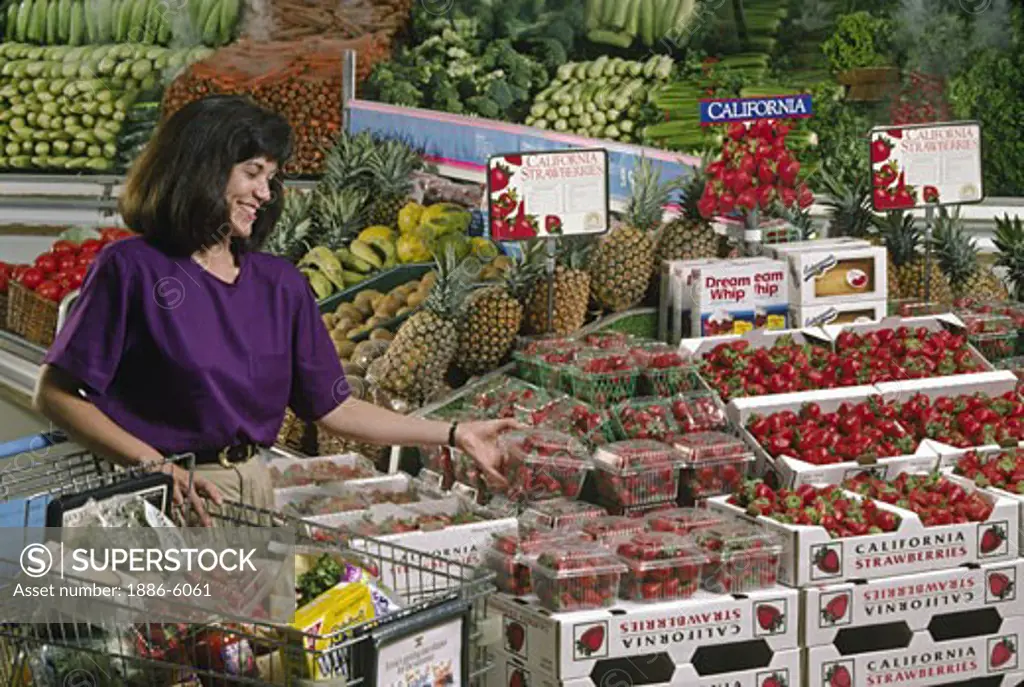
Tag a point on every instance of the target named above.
point(34, 442)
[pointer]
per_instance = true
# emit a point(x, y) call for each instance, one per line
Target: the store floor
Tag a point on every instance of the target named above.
point(16, 422)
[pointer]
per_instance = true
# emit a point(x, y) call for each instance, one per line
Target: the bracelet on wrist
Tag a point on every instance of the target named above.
point(451, 434)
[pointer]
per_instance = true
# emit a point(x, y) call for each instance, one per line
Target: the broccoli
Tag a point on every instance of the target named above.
point(549, 52)
point(501, 94)
point(484, 106)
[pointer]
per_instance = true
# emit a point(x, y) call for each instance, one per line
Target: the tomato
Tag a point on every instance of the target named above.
point(66, 262)
point(50, 290)
point(32, 277)
point(76, 276)
point(3, 282)
point(85, 259)
point(90, 246)
point(6, 269)
point(63, 247)
point(112, 234)
point(47, 262)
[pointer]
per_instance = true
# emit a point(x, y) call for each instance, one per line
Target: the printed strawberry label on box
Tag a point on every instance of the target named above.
point(734, 297)
point(783, 670)
point(569, 645)
point(924, 661)
point(911, 599)
point(832, 274)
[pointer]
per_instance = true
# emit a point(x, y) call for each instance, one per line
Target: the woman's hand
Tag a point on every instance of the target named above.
point(200, 488)
point(479, 440)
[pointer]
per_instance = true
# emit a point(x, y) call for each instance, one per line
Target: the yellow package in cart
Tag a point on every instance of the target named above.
point(323, 655)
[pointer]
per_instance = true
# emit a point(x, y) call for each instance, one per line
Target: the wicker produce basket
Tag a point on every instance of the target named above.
point(30, 316)
point(3, 309)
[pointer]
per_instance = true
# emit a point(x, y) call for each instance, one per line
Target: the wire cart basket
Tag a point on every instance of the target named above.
point(66, 652)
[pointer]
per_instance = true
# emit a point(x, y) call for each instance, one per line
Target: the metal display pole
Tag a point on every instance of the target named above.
point(929, 217)
point(551, 265)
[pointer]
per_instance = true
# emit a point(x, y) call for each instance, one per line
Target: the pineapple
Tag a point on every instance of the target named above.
point(571, 290)
point(689, 237)
point(392, 167)
point(912, 280)
point(293, 432)
point(338, 215)
point(417, 361)
point(623, 263)
point(494, 316)
point(294, 228)
point(958, 258)
point(849, 211)
point(1009, 240)
point(349, 163)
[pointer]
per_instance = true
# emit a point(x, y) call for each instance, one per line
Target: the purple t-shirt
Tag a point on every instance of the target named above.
point(187, 362)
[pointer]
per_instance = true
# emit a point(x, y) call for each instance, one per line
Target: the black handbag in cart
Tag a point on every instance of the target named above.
point(156, 488)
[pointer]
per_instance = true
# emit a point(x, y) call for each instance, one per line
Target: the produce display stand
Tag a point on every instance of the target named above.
point(440, 591)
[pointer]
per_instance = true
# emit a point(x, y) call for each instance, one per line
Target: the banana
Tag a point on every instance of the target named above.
point(324, 260)
point(387, 248)
point(353, 278)
point(320, 284)
point(365, 251)
point(352, 262)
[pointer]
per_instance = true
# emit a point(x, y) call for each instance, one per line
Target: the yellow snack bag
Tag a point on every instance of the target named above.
point(338, 608)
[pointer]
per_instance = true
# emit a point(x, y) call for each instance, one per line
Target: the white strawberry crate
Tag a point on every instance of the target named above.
point(793, 472)
point(914, 600)
point(811, 556)
point(948, 461)
point(924, 661)
point(351, 462)
point(568, 646)
point(782, 670)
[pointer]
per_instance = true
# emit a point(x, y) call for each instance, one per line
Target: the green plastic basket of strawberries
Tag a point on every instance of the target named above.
point(665, 371)
point(604, 377)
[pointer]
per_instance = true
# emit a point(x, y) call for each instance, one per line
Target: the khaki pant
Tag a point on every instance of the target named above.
point(246, 483)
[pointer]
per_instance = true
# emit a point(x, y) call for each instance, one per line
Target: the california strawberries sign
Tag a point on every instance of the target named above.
point(921, 165)
point(545, 195)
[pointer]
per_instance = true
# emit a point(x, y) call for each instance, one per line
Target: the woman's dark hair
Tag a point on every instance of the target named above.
point(174, 194)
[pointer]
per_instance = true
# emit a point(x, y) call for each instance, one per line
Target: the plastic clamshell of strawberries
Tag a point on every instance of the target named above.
point(698, 411)
point(605, 340)
point(683, 520)
point(741, 557)
point(611, 528)
point(560, 562)
point(543, 447)
point(559, 513)
point(576, 578)
point(535, 345)
point(636, 455)
point(701, 447)
point(323, 471)
point(657, 550)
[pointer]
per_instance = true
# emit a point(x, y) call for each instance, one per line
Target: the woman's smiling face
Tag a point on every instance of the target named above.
point(248, 189)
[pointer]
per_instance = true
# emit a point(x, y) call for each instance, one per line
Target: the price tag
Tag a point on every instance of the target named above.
point(431, 479)
point(742, 327)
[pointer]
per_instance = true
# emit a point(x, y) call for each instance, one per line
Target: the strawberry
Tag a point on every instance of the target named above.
point(515, 637)
point(499, 178)
point(999, 585)
point(835, 609)
point(591, 640)
point(838, 676)
point(827, 561)
point(514, 160)
point(517, 679)
point(1002, 653)
point(553, 224)
point(930, 194)
point(775, 680)
point(992, 539)
point(770, 618)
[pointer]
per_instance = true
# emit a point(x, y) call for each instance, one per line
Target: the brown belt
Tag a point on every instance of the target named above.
point(227, 456)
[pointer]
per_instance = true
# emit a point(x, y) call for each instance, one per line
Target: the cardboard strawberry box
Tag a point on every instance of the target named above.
point(782, 670)
point(855, 312)
point(810, 555)
point(288, 472)
point(949, 460)
point(568, 646)
point(925, 661)
point(792, 471)
point(911, 600)
point(827, 274)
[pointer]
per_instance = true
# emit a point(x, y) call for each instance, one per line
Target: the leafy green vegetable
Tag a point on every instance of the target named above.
point(842, 128)
point(860, 40)
point(324, 574)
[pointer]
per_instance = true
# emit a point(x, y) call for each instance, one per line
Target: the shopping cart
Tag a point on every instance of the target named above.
point(67, 652)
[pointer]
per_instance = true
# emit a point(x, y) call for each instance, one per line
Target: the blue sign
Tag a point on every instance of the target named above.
point(728, 110)
point(468, 142)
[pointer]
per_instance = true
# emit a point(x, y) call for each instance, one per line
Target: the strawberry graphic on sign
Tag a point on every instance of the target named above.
point(518, 679)
point(775, 680)
point(838, 676)
point(591, 641)
point(835, 609)
point(514, 160)
point(553, 225)
point(499, 178)
point(992, 540)
point(1000, 586)
point(515, 637)
point(827, 561)
point(1002, 652)
point(770, 619)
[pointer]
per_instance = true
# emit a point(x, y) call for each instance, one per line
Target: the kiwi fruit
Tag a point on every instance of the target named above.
point(416, 299)
point(388, 306)
point(381, 334)
point(346, 323)
point(345, 349)
point(350, 311)
point(359, 331)
point(377, 320)
point(328, 319)
point(404, 310)
point(428, 280)
point(338, 334)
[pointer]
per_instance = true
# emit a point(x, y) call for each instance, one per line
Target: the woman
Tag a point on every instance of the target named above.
point(187, 340)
